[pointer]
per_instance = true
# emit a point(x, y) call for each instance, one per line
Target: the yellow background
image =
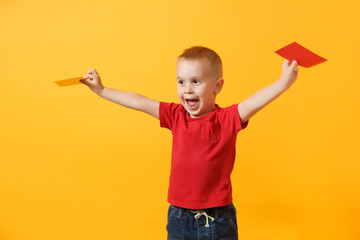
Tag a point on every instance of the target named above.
point(74, 166)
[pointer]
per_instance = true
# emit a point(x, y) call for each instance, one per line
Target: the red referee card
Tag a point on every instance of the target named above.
point(303, 56)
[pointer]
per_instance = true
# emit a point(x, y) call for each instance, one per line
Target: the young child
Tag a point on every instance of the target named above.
point(204, 137)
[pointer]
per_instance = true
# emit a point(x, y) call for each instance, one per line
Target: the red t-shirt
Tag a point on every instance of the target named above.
point(203, 155)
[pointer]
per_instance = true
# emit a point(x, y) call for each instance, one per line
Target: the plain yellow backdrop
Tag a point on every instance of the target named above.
point(74, 166)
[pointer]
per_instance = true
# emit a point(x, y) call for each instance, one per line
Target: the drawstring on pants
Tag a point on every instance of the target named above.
point(200, 213)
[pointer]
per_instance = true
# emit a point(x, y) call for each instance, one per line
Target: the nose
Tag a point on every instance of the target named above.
point(188, 89)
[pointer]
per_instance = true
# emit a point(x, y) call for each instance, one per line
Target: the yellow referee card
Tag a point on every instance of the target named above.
point(69, 81)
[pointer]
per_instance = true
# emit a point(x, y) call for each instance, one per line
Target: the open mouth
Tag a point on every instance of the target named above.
point(192, 103)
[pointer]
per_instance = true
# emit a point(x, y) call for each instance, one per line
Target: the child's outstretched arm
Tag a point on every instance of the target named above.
point(126, 99)
point(264, 96)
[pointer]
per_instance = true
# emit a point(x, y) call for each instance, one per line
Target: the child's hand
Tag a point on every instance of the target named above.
point(95, 82)
point(289, 72)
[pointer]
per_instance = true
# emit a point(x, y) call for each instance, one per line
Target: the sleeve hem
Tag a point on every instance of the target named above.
point(241, 125)
point(161, 113)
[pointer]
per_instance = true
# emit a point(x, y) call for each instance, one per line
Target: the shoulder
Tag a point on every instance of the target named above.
point(230, 110)
point(169, 113)
point(171, 107)
point(230, 117)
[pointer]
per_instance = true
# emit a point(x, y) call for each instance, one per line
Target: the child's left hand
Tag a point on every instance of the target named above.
point(289, 72)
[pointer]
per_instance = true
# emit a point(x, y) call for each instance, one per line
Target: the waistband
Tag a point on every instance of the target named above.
point(210, 211)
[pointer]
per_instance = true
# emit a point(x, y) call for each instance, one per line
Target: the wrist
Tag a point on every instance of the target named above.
point(99, 91)
point(285, 83)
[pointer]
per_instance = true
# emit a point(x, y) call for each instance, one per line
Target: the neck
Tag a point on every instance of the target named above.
point(210, 109)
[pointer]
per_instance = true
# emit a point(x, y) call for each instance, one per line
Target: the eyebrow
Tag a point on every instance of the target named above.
point(191, 77)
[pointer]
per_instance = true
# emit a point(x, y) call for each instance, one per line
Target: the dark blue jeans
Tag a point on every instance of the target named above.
point(222, 224)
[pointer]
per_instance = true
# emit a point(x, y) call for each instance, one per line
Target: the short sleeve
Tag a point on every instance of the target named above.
point(167, 114)
point(231, 118)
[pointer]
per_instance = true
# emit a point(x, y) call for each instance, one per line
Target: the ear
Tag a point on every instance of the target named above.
point(219, 85)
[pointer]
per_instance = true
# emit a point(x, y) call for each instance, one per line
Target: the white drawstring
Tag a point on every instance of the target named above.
point(200, 213)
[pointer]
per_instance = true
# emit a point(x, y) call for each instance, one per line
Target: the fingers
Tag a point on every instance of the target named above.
point(294, 66)
point(87, 83)
point(91, 74)
point(92, 71)
point(88, 77)
point(285, 63)
point(94, 83)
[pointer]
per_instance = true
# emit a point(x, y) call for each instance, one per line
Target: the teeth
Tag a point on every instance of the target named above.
point(192, 103)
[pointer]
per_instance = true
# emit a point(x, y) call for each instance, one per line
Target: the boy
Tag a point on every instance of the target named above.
point(204, 137)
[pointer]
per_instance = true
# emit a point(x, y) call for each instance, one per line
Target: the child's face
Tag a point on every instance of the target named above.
point(197, 86)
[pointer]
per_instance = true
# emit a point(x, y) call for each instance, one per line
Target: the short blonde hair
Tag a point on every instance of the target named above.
point(204, 53)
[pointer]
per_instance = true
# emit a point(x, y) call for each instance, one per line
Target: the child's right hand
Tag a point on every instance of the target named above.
point(95, 82)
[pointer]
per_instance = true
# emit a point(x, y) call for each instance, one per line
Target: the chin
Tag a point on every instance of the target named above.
point(196, 114)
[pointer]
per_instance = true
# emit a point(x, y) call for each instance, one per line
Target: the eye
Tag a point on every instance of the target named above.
point(181, 82)
point(196, 81)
